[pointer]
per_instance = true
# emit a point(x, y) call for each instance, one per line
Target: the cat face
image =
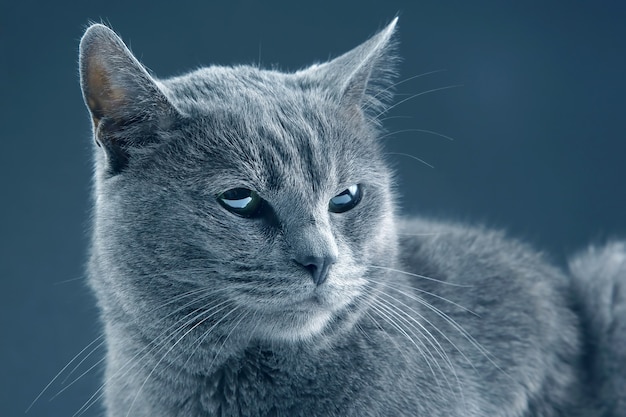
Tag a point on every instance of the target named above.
point(266, 193)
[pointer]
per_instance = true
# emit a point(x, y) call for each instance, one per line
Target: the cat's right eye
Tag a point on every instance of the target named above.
point(241, 201)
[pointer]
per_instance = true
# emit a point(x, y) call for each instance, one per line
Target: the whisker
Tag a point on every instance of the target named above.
point(421, 326)
point(173, 300)
point(429, 337)
point(62, 370)
point(415, 331)
point(420, 276)
point(392, 340)
point(80, 363)
point(210, 292)
point(376, 309)
point(394, 85)
point(426, 304)
point(440, 348)
point(488, 355)
point(67, 281)
point(415, 96)
point(418, 234)
point(78, 378)
point(382, 330)
point(166, 353)
point(243, 315)
point(395, 117)
point(457, 327)
point(201, 340)
point(412, 157)
point(124, 369)
point(128, 362)
point(88, 356)
point(431, 132)
point(412, 288)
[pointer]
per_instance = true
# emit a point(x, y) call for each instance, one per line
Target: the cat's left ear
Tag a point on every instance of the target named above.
point(362, 78)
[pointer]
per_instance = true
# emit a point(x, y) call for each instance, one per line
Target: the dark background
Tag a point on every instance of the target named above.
point(538, 127)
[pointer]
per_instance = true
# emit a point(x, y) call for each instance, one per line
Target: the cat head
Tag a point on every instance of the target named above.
point(257, 195)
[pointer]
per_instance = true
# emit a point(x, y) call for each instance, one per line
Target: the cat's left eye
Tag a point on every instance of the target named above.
point(346, 200)
point(241, 201)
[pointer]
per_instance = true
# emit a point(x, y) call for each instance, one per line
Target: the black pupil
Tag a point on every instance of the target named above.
point(236, 194)
point(247, 203)
point(240, 201)
point(346, 200)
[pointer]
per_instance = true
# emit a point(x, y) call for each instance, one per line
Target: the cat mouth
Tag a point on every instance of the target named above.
point(321, 299)
point(311, 304)
point(317, 302)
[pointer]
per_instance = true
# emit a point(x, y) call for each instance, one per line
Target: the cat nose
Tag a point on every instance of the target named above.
point(318, 266)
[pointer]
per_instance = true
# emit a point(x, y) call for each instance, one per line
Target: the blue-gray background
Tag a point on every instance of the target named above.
point(538, 129)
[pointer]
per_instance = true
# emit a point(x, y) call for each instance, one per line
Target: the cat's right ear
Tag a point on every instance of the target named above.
point(125, 102)
point(361, 79)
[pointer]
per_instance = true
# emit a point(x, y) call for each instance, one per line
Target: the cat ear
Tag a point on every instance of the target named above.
point(125, 102)
point(362, 78)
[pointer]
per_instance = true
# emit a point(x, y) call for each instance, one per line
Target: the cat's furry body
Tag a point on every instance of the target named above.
point(209, 313)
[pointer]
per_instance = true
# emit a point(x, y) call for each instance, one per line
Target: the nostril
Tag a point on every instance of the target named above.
point(309, 262)
point(317, 267)
point(312, 268)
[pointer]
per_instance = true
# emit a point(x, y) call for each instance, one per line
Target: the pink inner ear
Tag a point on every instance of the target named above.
point(102, 95)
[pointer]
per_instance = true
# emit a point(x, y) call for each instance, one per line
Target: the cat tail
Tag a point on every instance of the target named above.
point(600, 283)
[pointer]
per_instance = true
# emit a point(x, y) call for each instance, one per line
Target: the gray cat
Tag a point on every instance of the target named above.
point(248, 260)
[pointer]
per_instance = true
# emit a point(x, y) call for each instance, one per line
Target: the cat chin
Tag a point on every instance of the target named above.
point(304, 312)
point(294, 326)
point(301, 321)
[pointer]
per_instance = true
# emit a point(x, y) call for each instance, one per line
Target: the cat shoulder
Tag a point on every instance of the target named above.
point(461, 249)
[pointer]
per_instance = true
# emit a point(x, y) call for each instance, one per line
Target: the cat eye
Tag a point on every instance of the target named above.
point(346, 200)
point(241, 201)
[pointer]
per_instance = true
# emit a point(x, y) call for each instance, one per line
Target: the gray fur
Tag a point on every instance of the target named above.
point(208, 314)
point(600, 284)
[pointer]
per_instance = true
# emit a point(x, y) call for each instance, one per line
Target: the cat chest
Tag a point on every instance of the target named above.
point(260, 389)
